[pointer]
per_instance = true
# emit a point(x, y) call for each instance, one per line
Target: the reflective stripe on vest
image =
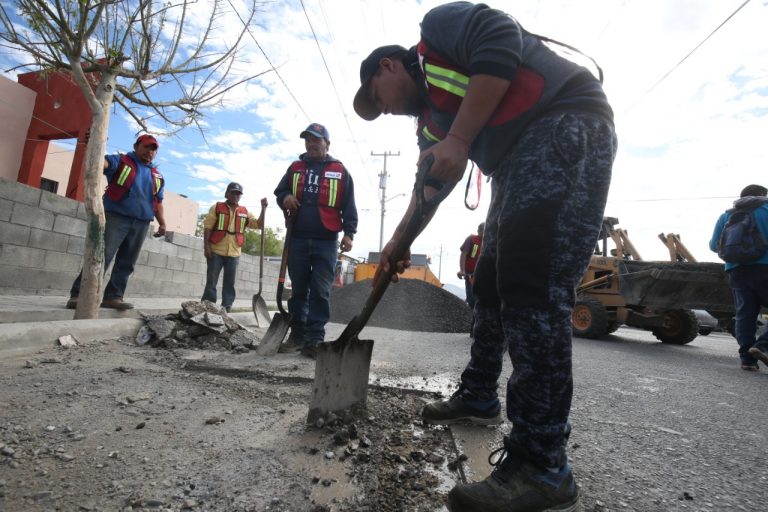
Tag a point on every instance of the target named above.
point(446, 79)
point(473, 252)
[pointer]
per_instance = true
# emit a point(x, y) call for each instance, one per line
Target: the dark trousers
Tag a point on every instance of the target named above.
point(214, 267)
point(547, 202)
point(123, 238)
point(749, 284)
point(311, 265)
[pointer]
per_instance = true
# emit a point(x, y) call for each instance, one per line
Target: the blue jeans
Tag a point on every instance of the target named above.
point(311, 264)
point(749, 284)
point(215, 264)
point(123, 238)
point(468, 290)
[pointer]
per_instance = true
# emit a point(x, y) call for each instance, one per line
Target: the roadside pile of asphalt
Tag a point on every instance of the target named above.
point(198, 325)
point(408, 305)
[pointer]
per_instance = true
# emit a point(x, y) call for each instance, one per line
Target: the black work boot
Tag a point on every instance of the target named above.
point(516, 485)
point(462, 408)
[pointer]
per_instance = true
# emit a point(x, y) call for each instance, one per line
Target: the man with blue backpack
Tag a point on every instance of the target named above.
point(741, 240)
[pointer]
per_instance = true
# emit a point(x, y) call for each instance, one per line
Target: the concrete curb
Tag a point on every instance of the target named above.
point(27, 337)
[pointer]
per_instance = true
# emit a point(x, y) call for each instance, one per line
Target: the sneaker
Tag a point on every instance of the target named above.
point(116, 304)
point(72, 303)
point(309, 351)
point(759, 354)
point(459, 409)
point(516, 484)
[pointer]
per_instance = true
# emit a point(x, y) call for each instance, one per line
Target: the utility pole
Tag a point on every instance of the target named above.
point(383, 186)
point(440, 265)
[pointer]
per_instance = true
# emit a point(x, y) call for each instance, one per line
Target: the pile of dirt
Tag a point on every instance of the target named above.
point(408, 305)
point(198, 325)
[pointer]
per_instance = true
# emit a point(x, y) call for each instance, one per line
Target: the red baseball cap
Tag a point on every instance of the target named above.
point(147, 140)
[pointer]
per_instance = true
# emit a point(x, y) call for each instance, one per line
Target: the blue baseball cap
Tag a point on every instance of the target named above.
point(317, 130)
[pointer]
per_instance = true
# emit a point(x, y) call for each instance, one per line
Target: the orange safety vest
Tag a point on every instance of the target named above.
point(123, 179)
point(221, 227)
point(330, 195)
point(474, 254)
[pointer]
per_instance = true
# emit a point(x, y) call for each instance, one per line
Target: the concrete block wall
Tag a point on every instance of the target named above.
point(42, 242)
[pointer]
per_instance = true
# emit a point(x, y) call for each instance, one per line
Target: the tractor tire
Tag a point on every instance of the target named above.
point(589, 318)
point(680, 327)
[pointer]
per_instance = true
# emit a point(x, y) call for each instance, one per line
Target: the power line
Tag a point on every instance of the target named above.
point(248, 29)
point(335, 90)
point(660, 80)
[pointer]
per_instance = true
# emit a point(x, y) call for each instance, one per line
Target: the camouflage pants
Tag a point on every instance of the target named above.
point(547, 201)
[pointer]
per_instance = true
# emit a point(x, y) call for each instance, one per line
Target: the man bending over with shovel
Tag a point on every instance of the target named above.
point(482, 88)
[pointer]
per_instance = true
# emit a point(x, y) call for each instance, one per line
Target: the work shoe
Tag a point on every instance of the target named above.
point(309, 351)
point(750, 367)
point(72, 303)
point(516, 484)
point(759, 354)
point(291, 345)
point(116, 304)
point(460, 409)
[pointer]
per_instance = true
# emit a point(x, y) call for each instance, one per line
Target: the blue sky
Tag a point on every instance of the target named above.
point(687, 144)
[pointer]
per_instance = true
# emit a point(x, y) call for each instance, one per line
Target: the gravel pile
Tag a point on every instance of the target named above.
point(409, 305)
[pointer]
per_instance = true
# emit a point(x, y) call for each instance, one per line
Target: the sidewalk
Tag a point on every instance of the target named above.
point(29, 323)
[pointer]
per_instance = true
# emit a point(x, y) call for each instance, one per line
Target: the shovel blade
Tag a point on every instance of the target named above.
point(260, 311)
point(341, 377)
point(275, 334)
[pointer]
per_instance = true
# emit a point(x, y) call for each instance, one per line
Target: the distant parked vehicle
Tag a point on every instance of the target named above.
point(707, 323)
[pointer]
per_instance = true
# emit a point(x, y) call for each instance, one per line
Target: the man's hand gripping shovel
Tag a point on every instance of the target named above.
point(343, 365)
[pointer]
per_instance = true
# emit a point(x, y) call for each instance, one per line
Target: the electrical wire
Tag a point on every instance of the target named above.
point(336, 92)
point(664, 77)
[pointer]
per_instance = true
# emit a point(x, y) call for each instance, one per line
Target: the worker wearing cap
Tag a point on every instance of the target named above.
point(318, 195)
point(223, 239)
point(134, 196)
point(482, 88)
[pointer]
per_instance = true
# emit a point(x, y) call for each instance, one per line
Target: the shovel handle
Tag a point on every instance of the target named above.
point(423, 208)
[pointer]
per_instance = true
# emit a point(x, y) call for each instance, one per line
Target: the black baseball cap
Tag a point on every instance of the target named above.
point(364, 104)
point(234, 187)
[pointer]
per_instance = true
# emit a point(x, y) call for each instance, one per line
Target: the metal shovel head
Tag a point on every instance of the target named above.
point(275, 334)
point(341, 377)
point(260, 311)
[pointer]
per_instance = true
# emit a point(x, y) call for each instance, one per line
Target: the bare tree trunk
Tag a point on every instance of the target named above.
point(93, 256)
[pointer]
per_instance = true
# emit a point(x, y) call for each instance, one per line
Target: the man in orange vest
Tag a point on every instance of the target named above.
point(470, 252)
point(318, 192)
point(223, 238)
point(483, 88)
point(134, 195)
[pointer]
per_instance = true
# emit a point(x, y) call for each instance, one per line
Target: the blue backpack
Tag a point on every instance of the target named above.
point(741, 240)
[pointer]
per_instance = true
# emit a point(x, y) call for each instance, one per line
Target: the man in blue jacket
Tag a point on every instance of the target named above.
point(482, 88)
point(319, 195)
point(133, 197)
point(749, 281)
